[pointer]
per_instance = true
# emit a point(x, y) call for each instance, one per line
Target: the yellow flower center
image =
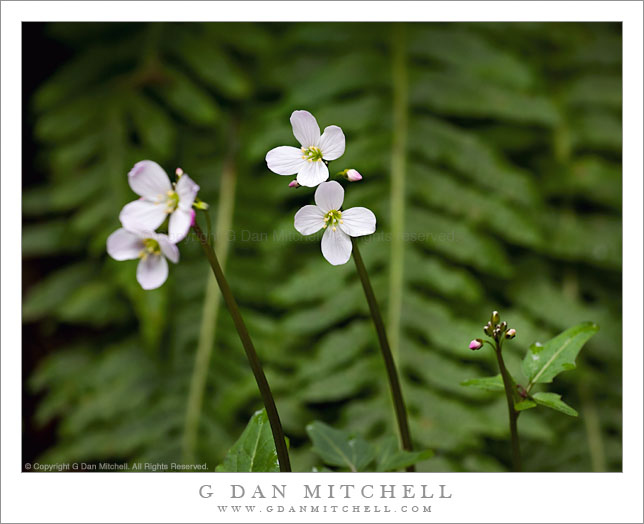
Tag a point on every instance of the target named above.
point(333, 218)
point(312, 154)
point(172, 201)
point(150, 247)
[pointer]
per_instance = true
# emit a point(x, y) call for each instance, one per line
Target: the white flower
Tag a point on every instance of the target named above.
point(159, 198)
point(151, 248)
point(307, 161)
point(339, 225)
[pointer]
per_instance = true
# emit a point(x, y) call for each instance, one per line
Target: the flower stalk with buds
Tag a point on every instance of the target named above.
point(541, 364)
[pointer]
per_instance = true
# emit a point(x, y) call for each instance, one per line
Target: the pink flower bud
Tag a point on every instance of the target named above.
point(477, 343)
point(192, 217)
point(353, 175)
point(511, 333)
point(178, 172)
point(294, 184)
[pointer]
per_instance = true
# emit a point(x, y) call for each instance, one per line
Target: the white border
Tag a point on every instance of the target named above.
point(166, 497)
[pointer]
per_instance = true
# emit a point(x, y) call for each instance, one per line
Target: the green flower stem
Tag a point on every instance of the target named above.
point(392, 374)
point(253, 359)
point(210, 312)
point(397, 199)
point(513, 414)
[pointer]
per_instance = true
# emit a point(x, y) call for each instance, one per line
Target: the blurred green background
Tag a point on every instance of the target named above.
point(495, 147)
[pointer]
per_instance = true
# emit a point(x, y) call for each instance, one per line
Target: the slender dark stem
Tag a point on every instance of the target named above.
point(392, 374)
point(208, 226)
point(513, 414)
point(253, 359)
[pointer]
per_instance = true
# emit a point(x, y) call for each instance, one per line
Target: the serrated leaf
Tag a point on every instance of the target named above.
point(254, 451)
point(553, 401)
point(543, 362)
point(339, 448)
point(392, 458)
point(487, 383)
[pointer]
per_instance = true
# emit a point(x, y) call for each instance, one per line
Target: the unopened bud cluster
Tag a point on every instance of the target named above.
point(494, 329)
point(497, 329)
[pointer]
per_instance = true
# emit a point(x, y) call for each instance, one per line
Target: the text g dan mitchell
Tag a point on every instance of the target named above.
point(333, 491)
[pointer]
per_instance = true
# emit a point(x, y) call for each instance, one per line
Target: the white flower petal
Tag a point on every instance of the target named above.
point(309, 220)
point(312, 173)
point(187, 191)
point(152, 271)
point(358, 221)
point(168, 248)
point(329, 195)
point(305, 128)
point(124, 245)
point(332, 143)
point(143, 215)
point(285, 160)
point(180, 222)
point(148, 179)
point(336, 246)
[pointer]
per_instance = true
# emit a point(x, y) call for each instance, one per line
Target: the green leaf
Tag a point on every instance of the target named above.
point(459, 95)
point(254, 450)
point(211, 63)
point(94, 303)
point(189, 100)
point(487, 383)
point(45, 297)
point(525, 404)
point(339, 448)
point(155, 129)
point(391, 457)
point(553, 401)
point(542, 363)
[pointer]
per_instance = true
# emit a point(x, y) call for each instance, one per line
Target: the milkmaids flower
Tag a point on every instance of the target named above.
point(159, 198)
point(151, 248)
point(308, 161)
point(339, 225)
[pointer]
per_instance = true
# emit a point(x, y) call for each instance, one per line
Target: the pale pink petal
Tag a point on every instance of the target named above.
point(329, 195)
point(168, 248)
point(143, 215)
point(285, 160)
point(312, 173)
point(309, 219)
point(358, 221)
point(336, 246)
point(305, 128)
point(332, 143)
point(148, 179)
point(180, 222)
point(187, 190)
point(124, 245)
point(152, 271)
